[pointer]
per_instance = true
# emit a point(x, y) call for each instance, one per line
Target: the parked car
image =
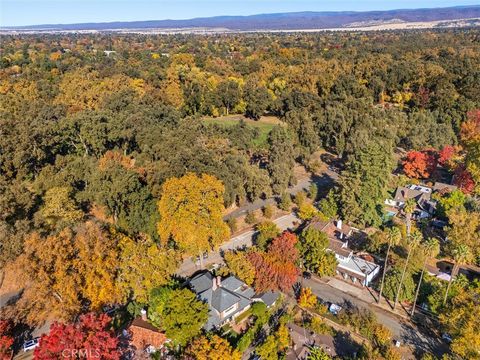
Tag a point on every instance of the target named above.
point(447, 337)
point(334, 308)
point(30, 344)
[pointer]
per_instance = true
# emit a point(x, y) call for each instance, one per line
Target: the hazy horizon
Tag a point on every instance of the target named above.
point(42, 12)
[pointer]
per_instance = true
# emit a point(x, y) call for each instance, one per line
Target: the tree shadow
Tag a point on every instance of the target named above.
point(422, 340)
point(324, 183)
point(344, 345)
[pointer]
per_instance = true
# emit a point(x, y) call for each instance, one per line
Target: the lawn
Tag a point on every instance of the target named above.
point(264, 125)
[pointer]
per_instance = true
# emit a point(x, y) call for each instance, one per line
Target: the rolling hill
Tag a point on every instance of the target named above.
point(280, 21)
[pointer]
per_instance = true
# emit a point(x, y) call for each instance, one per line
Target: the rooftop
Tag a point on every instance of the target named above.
point(221, 295)
point(358, 266)
point(139, 322)
point(333, 229)
point(404, 193)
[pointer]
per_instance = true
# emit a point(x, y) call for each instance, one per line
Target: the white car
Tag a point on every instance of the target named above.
point(334, 308)
point(30, 344)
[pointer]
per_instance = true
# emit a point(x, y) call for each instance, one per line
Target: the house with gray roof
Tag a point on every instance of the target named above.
point(227, 298)
point(422, 194)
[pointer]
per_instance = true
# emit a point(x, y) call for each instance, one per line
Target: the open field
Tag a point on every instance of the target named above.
point(264, 125)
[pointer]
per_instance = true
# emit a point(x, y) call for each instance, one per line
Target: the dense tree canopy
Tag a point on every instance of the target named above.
point(113, 167)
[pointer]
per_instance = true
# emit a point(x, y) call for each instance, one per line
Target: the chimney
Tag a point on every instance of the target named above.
point(219, 281)
point(214, 284)
point(143, 313)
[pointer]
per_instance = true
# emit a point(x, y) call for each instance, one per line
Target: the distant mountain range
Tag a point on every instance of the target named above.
point(282, 21)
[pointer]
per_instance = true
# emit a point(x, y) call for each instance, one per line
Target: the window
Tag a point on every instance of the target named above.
point(230, 310)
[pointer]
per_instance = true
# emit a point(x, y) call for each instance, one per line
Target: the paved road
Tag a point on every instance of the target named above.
point(401, 329)
point(243, 240)
point(323, 181)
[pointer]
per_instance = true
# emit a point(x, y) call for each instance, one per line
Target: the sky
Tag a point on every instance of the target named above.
point(33, 12)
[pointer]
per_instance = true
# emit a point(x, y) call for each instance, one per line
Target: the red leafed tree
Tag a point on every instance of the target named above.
point(448, 155)
point(423, 97)
point(276, 269)
point(6, 340)
point(463, 179)
point(419, 164)
point(90, 337)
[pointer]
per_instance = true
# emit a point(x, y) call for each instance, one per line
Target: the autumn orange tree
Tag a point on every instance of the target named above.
point(419, 164)
point(191, 210)
point(276, 268)
point(470, 137)
point(64, 272)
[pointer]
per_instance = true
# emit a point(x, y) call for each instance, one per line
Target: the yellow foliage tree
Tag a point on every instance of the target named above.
point(463, 323)
point(215, 348)
point(59, 207)
point(307, 299)
point(96, 262)
point(239, 265)
point(307, 211)
point(191, 210)
point(144, 266)
point(283, 338)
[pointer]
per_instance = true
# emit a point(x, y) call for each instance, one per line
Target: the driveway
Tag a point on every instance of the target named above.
point(402, 329)
point(188, 266)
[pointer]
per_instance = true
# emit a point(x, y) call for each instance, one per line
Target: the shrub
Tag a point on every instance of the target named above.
point(300, 198)
point(250, 218)
point(246, 340)
point(259, 310)
point(307, 211)
point(232, 224)
point(268, 211)
point(318, 326)
point(267, 230)
point(285, 202)
point(313, 191)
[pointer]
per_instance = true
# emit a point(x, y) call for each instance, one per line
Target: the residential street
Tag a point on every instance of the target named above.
point(243, 240)
point(401, 329)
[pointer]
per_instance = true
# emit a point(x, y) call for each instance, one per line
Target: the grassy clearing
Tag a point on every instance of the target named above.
point(264, 125)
